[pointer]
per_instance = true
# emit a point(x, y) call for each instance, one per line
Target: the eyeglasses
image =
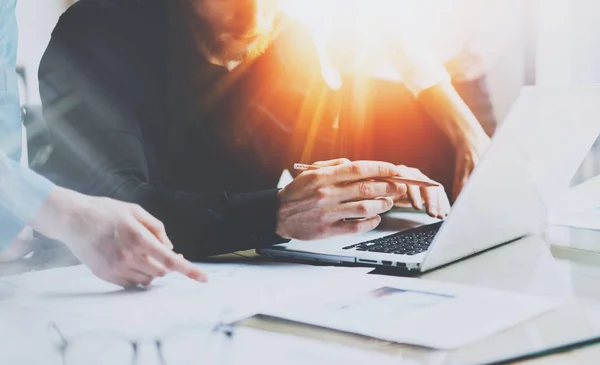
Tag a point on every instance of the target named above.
point(191, 344)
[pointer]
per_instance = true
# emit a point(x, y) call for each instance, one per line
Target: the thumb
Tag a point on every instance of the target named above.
point(330, 163)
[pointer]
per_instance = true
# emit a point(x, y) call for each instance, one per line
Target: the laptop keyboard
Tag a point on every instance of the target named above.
point(410, 242)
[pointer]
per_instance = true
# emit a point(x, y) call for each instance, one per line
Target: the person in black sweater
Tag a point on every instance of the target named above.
point(192, 109)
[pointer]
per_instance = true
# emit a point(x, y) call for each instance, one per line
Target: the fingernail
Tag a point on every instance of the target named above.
point(198, 276)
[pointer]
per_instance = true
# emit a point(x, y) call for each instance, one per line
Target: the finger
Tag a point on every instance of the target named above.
point(177, 263)
point(403, 202)
point(439, 203)
point(138, 278)
point(18, 249)
point(169, 259)
point(117, 280)
point(150, 266)
point(336, 162)
point(414, 195)
point(444, 203)
point(124, 283)
point(358, 226)
point(359, 170)
point(153, 225)
point(363, 209)
point(363, 190)
point(431, 201)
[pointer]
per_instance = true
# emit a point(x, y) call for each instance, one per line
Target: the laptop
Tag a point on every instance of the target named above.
point(531, 161)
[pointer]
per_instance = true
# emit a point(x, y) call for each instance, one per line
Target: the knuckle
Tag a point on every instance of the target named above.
point(135, 207)
point(321, 194)
point(121, 258)
point(362, 209)
point(135, 235)
point(391, 188)
point(161, 272)
point(364, 189)
point(323, 173)
point(357, 168)
point(169, 262)
point(385, 169)
point(345, 161)
point(137, 240)
point(312, 177)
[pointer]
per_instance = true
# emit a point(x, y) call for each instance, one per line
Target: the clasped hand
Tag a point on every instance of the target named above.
point(344, 197)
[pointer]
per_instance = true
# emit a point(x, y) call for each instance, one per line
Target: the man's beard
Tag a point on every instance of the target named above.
point(240, 51)
point(228, 47)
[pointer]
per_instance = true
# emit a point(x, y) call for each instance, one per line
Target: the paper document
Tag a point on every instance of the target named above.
point(241, 288)
point(415, 311)
point(78, 303)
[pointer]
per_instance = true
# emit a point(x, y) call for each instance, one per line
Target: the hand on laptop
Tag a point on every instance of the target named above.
point(337, 199)
point(120, 242)
point(435, 199)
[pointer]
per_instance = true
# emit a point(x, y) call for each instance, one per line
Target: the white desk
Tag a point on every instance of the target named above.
point(530, 265)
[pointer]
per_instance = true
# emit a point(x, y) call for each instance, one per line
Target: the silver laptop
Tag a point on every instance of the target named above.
point(531, 160)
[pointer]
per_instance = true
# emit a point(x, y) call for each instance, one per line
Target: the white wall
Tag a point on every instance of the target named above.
point(568, 43)
point(37, 19)
point(506, 78)
point(585, 47)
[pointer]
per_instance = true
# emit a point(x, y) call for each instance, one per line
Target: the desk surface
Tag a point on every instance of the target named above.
point(560, 263)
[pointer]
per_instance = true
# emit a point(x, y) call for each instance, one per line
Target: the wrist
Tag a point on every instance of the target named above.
point(56, 218)
point(279, 226)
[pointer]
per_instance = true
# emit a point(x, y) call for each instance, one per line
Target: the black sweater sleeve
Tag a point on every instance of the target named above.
point(86, 78)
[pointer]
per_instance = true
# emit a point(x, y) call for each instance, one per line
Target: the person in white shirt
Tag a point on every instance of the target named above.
point(434, 47)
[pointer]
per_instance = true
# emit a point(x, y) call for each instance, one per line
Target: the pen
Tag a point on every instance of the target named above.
point(398, 179)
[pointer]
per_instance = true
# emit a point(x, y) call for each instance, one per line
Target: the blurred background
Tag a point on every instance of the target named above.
point(526, 42)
